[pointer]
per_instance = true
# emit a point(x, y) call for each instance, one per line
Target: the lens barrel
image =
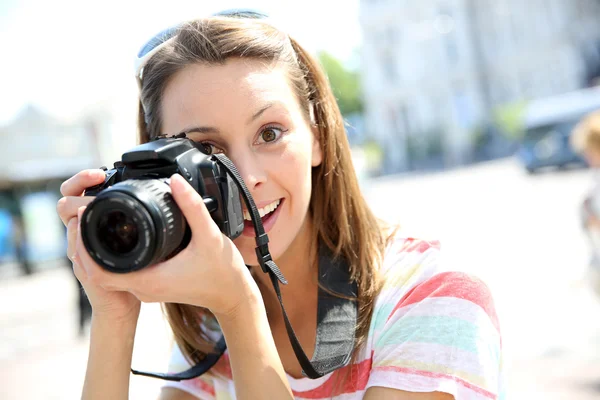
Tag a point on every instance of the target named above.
point(133, 224)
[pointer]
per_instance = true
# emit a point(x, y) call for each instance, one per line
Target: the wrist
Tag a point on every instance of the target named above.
point(249, 303)
point(109, 359)
point(124, 320)
point(255, 363)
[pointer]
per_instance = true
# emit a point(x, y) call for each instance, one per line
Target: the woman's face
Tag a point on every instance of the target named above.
point(248, 110)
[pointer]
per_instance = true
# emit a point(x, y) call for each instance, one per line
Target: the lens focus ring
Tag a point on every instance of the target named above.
point(168, 219)
point(134, 224)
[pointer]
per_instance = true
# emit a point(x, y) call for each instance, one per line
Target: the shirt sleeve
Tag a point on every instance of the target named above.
point(442, 335)
point(202, 387)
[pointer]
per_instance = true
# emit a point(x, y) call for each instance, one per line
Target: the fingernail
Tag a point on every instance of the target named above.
point(177, 178)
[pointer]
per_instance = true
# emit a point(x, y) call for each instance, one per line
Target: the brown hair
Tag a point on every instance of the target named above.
point(586, 135)
point(345, 223)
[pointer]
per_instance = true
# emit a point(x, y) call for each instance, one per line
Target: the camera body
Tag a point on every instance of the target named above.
point(134, 222)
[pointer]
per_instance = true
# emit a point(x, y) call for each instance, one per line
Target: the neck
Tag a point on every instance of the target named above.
point(299, 266)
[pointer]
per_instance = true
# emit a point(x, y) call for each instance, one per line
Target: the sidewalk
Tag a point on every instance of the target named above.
point(41, 356)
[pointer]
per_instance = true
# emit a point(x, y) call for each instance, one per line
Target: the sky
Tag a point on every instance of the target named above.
point(69, 56)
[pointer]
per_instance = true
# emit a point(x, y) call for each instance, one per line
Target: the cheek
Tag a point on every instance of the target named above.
point(295, 169)
point(290, 176)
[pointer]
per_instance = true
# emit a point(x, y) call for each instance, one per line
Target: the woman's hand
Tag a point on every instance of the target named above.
point(118, 305)
point(210, 272)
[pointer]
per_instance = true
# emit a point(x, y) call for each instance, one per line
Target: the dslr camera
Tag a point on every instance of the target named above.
point(134, 221)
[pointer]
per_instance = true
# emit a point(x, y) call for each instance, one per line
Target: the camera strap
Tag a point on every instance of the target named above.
point(337, 312)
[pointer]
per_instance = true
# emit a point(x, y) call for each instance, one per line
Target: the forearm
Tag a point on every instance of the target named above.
point(109, 360)
point(257, 369)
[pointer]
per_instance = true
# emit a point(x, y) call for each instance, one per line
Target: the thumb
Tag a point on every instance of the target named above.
point(191, 205)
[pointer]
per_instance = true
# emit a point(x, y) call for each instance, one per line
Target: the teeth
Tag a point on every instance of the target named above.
point(262, 211)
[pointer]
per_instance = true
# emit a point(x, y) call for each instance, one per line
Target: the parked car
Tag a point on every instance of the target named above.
point(548, 125)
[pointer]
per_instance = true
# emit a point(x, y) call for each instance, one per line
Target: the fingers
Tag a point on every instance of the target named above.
point(73, 188)
point(72, 237)
point(67, 207)
point(80, 252)
point(91, 270)
point(71, 242)
point(81, 256)
point(192, 205)
point(75, 185)
point(72, 227)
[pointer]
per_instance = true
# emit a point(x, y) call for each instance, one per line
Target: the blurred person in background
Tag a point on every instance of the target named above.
point(236, 84)
point(20, 243)
point(6, 235)
point(586, 140)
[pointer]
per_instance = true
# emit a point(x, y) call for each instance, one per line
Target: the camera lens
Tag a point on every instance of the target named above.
point(133, 224)
point(119, 232)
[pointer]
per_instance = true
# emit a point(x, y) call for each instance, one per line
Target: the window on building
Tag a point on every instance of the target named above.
point(445, 25)
point(389, 66)
point(391, 36)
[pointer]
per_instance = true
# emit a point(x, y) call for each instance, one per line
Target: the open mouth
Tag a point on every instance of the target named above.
point(268, 216)
point(264, 212)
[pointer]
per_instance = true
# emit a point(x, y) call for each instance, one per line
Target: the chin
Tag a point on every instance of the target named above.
point(247, 249)
point(279, 240)
point(247, 246)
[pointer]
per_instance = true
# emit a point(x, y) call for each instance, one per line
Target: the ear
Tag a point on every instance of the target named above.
point(317, 152)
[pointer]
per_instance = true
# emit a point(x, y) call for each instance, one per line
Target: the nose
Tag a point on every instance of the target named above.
point(250, 168)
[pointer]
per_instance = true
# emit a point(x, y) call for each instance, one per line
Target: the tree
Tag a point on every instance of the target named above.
point(345, 84)
point(510, 118)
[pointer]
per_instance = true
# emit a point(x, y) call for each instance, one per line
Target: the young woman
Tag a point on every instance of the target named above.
point(237, 85)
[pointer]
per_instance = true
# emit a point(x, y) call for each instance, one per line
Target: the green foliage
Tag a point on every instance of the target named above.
point(345, 84)
point(510, 118)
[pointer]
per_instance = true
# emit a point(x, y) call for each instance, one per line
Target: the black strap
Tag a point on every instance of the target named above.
point(207, 363)
point(267, 264)
point(337, 313)
point(262, 240)
point(336, 316)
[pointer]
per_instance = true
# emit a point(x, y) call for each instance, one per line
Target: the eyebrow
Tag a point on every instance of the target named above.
point(201, 129)
point(213, 130)
point(259, 112)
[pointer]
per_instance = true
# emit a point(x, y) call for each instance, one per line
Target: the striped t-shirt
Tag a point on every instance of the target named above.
point(432, 330)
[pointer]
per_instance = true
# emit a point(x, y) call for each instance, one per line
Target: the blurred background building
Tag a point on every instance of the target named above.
point(39, 152)
point(436, 73)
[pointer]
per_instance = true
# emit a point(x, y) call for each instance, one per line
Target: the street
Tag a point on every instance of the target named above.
point(521, 234)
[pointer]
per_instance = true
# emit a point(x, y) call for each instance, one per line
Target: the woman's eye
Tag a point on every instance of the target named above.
point(269, 134)
point(209, 148)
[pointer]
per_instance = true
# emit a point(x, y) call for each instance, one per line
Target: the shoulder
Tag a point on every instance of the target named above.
point(414, 274)
point(432, 326)
point(408, 262)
